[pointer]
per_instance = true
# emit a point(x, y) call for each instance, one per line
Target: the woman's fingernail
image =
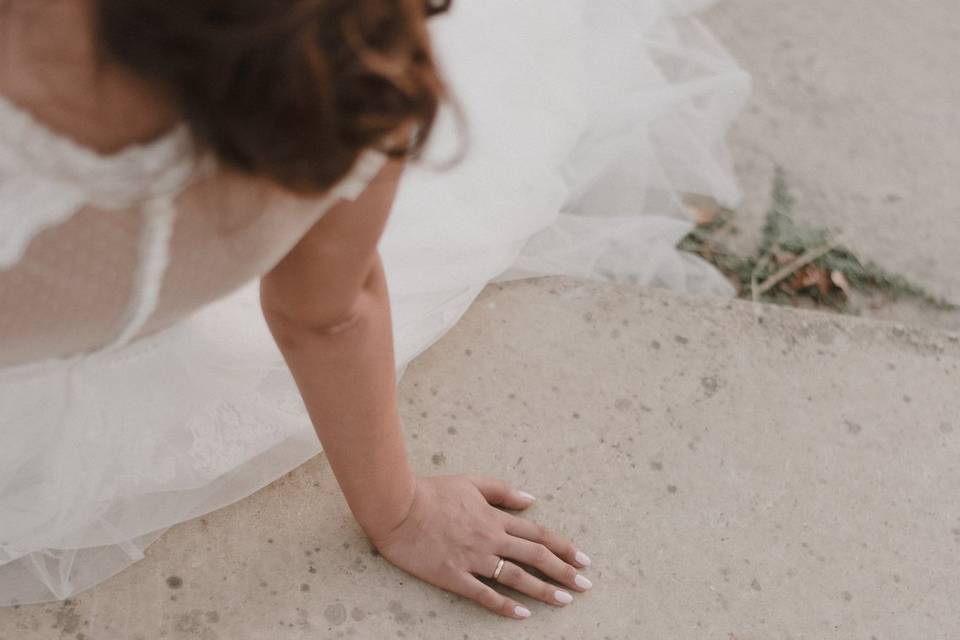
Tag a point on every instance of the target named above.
point(522, 612)
point(562, 597)
point(583, 583)
point(524, 494)
point(582, 558)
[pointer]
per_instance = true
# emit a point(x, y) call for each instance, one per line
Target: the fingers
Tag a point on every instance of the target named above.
point(539, 556)
point(469, 587)
point(500, 493)
point(516, 578)
point(556, 543)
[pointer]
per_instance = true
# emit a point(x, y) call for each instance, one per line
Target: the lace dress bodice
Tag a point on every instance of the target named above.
point(99, 250)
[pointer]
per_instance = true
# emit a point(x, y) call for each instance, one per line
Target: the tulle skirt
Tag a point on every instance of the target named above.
point(587, 125)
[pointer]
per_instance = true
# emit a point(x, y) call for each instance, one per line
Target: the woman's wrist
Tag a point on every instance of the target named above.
point(380, 515)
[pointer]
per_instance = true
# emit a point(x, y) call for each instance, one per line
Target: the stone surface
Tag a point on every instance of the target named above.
point(735, 472)
point(858, 102)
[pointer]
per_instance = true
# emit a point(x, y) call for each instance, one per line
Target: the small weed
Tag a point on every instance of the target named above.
point(796, 264)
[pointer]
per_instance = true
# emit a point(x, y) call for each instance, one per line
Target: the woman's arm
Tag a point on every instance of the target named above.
point(327, 307)
point(326, 304)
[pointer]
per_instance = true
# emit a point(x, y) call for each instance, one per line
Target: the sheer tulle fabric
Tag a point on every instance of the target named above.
point(588, 124)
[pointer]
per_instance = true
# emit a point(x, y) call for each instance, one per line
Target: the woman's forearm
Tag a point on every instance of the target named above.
point(346, 375)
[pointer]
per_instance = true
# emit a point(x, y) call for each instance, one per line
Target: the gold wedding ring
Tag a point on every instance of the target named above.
point(496, 574)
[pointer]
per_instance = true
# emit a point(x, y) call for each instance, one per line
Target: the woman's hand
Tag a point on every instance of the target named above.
point(452, 534)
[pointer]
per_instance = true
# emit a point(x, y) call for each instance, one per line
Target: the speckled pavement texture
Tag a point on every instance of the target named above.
point(735, 472)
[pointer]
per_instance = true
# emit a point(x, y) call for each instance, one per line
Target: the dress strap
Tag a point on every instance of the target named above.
point(159, 214)
point(367, 167)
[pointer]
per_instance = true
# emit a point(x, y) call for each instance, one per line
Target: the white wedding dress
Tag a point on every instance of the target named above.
point(139, 386)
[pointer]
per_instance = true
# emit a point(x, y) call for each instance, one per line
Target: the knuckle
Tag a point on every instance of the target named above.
point(562, 548)
point(506, 608)
point(554, 539)
point(450, 565)
point(492, 600)
point(542, 555)
point(546, 593)
point(511, 574)
point(482, 539)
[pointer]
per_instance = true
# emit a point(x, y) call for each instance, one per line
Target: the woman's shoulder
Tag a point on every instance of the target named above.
point(49, 69)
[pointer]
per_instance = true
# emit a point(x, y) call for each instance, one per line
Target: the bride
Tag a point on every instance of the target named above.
point(226, 226)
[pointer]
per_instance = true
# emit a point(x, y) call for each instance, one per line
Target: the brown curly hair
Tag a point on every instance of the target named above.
point(292, 90)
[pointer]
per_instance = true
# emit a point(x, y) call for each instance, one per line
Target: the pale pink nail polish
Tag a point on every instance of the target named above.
point(524, 494)
point(582, 558)
point(522, 612)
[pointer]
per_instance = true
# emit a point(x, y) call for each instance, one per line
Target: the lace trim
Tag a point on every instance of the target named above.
point(48, 206)
point(115, 179)
point(46, 177)
point(154, 258)
point(135, 173)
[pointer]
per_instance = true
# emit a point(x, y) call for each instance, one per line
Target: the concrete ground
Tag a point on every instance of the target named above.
point(859, 101)
point(735, 472)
